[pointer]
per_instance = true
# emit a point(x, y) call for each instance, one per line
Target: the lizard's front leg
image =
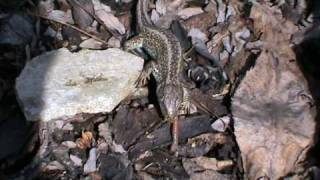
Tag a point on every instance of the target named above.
point(145, 74)
point(136, 43)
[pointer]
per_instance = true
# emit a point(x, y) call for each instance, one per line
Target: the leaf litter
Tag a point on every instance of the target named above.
point(260, 123)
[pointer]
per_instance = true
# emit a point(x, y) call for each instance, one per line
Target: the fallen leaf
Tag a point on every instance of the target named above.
point(109, 20)
point(82, 12)
point(85, 141)
point(189, 12)
point(196, 171)
point(273, 120)
point(60, 16)
point(91, 44)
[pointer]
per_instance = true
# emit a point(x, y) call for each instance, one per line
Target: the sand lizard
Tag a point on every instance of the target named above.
point(167, 66)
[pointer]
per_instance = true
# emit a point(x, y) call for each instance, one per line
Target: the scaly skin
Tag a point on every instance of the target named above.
point(165, 49)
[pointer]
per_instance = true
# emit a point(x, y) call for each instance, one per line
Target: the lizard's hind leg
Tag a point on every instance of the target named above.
point(186, 106)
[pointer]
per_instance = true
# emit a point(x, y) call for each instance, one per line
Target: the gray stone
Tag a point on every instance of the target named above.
point(61, 84)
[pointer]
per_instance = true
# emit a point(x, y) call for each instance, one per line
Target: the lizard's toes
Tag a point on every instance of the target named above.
point(221, 95)
point(185, 107)
point(142, 80)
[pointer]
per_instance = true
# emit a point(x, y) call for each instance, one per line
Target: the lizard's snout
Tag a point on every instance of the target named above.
point(173, 98)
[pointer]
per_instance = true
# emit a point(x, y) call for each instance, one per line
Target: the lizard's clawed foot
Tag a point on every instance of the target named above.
point(143, 79)
point(185, 107)
point(186, 56)
point(225, 91)
point(145, 75)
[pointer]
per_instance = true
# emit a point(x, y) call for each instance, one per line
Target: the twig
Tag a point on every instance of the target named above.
point(73, 27)
point(72, 2)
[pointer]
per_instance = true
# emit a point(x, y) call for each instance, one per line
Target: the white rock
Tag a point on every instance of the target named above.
point(61, 84)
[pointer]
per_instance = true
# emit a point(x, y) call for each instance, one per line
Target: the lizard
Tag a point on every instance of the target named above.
point(166, 66)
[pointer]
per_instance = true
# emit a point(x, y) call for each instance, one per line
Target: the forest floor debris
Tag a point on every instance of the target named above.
point(259, 123)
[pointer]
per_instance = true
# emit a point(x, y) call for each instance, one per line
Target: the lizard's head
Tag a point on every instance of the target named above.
point(133, 43)
point(171, 97)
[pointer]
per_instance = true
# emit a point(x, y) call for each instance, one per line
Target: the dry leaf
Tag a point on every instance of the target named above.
point(100, 6)
point(274, 123)
point(155, 17)
point(45, 7)
point(85, 141)
point(221, 17)
point(111, 22)
point(103, 12)
point(161, 7)
point(202, 144)
point(212, 163)
point(202, 22)
point(91, 44)
point(189, 12)
point(82, 12)
point(114, 42)
point(60, 16)
point(196, 171)
point(54, 165)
